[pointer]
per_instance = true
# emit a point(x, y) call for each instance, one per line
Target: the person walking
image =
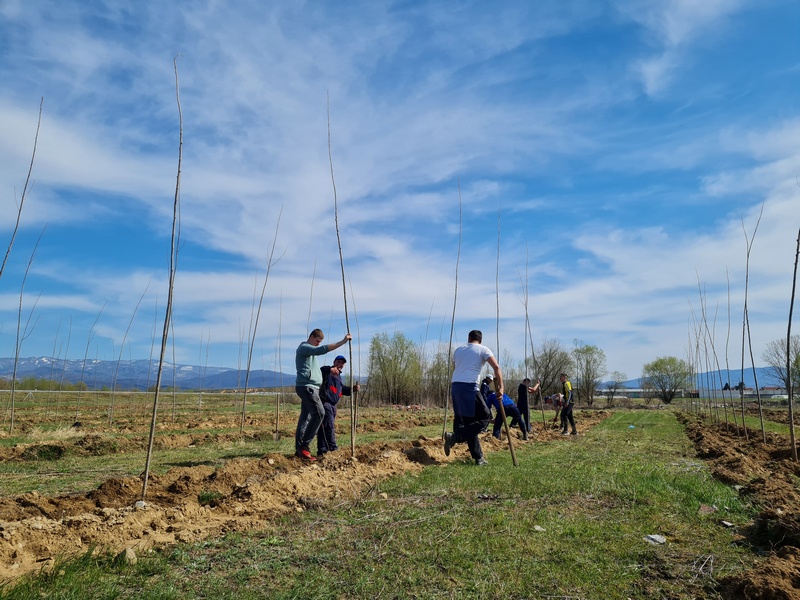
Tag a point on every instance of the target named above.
point(330, 392)
point(470, 413)
point(569, 403)
point(307, 383)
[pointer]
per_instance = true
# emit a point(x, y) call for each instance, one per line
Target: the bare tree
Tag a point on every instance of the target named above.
point(553, 359)
point(783, 366)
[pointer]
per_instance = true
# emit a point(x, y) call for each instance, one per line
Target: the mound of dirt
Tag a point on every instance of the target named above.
point(188, 504)
point(765, 472)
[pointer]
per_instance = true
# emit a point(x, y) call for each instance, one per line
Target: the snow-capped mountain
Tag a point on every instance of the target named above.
point(138, 374)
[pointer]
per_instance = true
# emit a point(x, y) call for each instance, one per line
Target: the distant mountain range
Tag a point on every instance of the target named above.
point(711, 379)
point(139, 374)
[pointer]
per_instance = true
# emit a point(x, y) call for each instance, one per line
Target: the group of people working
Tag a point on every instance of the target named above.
point(320, 390)
point(473, 399)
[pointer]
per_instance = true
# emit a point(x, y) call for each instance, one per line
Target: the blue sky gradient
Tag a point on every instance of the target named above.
point(625, 146)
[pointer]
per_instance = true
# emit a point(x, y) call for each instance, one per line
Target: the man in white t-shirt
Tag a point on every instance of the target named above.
point(470, 413)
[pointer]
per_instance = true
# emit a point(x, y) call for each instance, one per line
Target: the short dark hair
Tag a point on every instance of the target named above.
point(526, 380)
point(475, 336)
point(317, 333)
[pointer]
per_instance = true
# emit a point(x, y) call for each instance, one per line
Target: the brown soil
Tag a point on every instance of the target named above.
point(766, 473)
point(36, 530)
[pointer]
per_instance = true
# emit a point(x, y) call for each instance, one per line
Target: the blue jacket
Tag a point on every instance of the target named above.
point(332, 387)
point(492, 401)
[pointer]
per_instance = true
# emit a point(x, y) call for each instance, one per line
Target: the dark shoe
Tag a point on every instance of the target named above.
point(481, 461)
point(565, 432)
point(305, 455)
point(448, 443)
point(321, 455)
point(524, 436)
point(574, 432)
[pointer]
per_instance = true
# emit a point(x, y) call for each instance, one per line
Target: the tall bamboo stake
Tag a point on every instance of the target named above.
point(24, 195)
point(119, 358)
point(173, 265)
point(749, 244)
point(497, 326)
point(727, 365)
point(789, 353)
point(453, 316)
point(270, 264)
point(344, 287)
point(22, 334)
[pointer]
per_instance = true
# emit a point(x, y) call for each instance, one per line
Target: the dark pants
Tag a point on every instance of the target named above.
point(311, 414)
point(326, 438)
point(511, 411)
point(566, 415)
point(466, 429)
point(524, 410)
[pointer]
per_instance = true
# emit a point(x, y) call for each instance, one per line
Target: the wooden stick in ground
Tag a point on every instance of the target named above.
point(497, 326)
point(344, 290)
point(173, 262)
point(789, 354)
point(24, 190)
point(455, 301)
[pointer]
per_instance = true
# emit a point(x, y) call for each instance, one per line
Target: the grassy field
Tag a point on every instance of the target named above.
point(569, 522)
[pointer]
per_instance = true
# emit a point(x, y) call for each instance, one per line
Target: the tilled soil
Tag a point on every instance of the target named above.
point(767, 474)
point(36, 530)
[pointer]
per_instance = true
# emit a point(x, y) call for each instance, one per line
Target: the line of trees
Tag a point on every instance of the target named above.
point(403, 372)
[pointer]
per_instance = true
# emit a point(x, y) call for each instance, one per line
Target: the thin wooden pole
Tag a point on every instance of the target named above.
point(173, 265)
point(353, 417)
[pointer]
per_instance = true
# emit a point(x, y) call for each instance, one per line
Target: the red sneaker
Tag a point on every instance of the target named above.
point(306, 455)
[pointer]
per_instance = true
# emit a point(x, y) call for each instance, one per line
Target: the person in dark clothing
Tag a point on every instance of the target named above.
point(522, 401)
point(331, 392)
point(510, 410)
point(566, 410)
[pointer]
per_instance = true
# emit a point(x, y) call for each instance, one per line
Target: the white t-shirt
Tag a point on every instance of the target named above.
point(469, 360)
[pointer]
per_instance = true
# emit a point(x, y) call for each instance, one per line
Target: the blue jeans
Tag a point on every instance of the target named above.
point(311, 414)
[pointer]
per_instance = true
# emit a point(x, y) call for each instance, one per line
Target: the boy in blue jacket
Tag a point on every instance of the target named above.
point(510, 409)
point(331, 392)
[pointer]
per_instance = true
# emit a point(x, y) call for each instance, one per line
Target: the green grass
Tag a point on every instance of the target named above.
point(569, 521)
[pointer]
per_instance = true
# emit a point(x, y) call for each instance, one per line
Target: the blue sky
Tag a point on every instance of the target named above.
point(623, 146)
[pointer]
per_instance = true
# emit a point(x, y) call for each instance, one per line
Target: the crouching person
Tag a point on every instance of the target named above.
point(511, 410)
point(331, 392)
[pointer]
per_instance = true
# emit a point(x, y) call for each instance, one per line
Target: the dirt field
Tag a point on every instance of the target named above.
point(768, 475)
point(35, 530)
